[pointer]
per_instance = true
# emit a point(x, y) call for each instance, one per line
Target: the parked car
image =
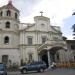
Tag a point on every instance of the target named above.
point(3, 69)
point(34, 66)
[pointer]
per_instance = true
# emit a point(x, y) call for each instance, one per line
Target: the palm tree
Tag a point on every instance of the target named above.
point(73, 27)
point(64, 38)
point(73, 13)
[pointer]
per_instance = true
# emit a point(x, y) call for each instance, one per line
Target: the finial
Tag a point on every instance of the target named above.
point(10, 2)
point(41, 13)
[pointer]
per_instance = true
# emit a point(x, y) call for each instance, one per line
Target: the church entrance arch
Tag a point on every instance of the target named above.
point(43, 56)
point(54, 55)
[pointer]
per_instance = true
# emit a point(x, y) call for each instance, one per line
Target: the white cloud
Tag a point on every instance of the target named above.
point(57, 10)
point(70, 37)
point(3, 2)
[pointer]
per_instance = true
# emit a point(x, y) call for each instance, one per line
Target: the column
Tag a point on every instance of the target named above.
point(49, 61)
point(39, 58)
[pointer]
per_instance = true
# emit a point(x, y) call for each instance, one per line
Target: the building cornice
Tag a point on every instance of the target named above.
point(42, 18)
point(9, 31)
point(8, 48)
point(9, 18)
point(38, 31)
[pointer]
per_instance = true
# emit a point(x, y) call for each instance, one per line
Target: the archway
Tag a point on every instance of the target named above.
point(45, 59)
point(43, 56)
point(54, 54)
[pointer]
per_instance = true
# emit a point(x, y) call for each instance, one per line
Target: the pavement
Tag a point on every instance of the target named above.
point(48, 72)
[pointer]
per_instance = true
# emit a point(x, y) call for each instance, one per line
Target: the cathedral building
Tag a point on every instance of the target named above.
point(39, 41)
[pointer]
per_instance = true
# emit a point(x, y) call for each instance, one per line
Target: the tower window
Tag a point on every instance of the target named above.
point(42, 25)
point(8, 13)
point(1, 13)
point(73, 47)
point(16, 15)
point(6, 40)
point(74, 57)
point(7, 24)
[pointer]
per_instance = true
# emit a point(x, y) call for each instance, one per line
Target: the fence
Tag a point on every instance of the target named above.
point(65, 65)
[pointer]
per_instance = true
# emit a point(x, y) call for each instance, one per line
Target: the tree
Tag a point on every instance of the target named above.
point(73, 13)
point(64, 38)
point(73, 26)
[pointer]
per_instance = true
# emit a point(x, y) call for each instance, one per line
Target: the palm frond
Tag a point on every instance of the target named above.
point(73, 13)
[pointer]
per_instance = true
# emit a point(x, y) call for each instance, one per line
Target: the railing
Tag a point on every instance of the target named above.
point(65, 65)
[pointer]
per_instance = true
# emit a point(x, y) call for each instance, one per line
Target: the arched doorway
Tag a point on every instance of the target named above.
point(45, 59)
point(43, 56)
point(53, 55)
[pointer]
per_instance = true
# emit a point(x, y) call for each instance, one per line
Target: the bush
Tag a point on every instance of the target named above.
point(13, 67)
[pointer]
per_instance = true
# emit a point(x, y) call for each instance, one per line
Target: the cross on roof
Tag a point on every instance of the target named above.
point(41, 13)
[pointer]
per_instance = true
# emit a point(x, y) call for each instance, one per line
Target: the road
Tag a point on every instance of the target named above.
point(48, 72)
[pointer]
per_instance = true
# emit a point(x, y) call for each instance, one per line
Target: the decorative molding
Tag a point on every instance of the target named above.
point(9, 18)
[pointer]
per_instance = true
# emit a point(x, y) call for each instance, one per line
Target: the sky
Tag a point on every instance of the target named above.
point(59, 12)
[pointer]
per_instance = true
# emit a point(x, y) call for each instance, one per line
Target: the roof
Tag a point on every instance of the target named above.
point(56, 28)
point(42, 18)
point(70, 41)
point(9, 6)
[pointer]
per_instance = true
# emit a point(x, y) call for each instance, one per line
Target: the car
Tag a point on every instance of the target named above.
point(3, 69)
point(38, 66)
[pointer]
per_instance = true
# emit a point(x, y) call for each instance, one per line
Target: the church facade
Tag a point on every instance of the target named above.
point(25, 42)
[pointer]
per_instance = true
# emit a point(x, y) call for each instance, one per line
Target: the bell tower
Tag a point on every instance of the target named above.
point(9, 31)
point(9, 24)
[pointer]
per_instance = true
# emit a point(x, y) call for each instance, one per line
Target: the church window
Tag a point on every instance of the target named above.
point(74, 57)
point(1, 13)
point(42, 25)
point(43, 39)
point(5, 59)
point(73, 47)
point(16, 15)
point(8, 13)
point(6, 40)
point(29, 40)
point(7, 25)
